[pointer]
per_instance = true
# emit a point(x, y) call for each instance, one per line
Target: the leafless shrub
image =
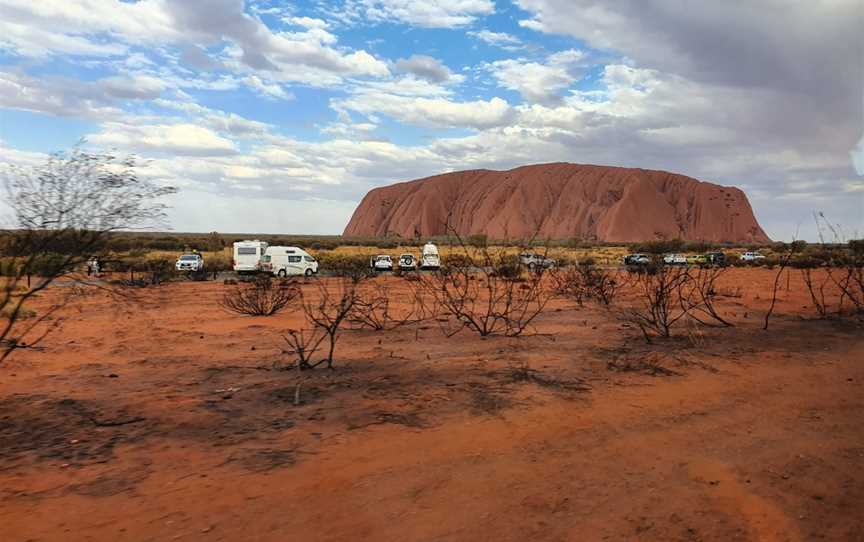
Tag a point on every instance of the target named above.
point(374, 308)
point(699, 293)
point(816, 289)
point(659, 304)
point(261, 297)
point(788, 253)
point(586, 281)
point(480, 291)
point(325, 313)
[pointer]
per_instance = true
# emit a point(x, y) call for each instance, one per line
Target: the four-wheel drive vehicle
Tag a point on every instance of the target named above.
point(637, 259)
point(407, 262)
point(675, 259)
point(382, 262)
point(287, 261)
point(535, 261)
point(751, 257)
point(190, 262)
point(429, 259)
point(715, 258)
point(248, 256)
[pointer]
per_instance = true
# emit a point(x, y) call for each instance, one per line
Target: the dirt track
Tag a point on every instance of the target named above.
point(171, 421)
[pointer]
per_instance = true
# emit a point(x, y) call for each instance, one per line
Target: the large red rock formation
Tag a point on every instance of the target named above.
point(559, 201)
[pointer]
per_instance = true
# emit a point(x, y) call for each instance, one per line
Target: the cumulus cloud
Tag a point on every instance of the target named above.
point(498, 39)
point(540, 82)
point(62, 96)
point(428, 13)
point(79, 27)
point(433, 112)
point(425, 67)
point(175, 139)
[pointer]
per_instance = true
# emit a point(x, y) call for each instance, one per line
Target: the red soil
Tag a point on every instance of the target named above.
point(168, 420)
point(560, 201)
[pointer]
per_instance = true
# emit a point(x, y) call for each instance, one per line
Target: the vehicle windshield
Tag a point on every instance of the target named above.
point(189, 257)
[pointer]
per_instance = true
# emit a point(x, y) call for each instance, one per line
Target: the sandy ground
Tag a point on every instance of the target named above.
point(171, 420)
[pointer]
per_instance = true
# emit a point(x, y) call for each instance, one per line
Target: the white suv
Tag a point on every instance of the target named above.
point(190, 262)
point(751, 257)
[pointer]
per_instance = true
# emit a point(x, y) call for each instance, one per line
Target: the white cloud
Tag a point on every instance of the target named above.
point(433, 112)
point(175, 139)
point(498, 39)
point(428, 13)
point(61, 96)
point(540, 83)
point(79, 26)
point(426, 67)
point(269, 90)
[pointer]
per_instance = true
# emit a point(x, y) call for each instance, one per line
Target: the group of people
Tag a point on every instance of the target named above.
point(93, 267)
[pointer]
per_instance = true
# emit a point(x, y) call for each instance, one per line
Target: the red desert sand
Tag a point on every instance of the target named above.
point(169, 419)
point(560, 201)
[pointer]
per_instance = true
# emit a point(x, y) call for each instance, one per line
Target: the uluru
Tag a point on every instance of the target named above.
point(560, 201)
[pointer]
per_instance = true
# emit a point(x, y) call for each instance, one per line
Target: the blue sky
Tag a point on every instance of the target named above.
point(276, 116)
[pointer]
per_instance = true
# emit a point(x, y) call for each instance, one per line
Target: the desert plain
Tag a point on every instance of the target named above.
point(167, 418)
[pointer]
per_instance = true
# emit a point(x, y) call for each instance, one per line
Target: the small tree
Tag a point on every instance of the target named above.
point(373, 309)
point(587, 281)
point(659, 305)
point(325, 313)
point(68, 208)
point(483, 290)
point(261, 297)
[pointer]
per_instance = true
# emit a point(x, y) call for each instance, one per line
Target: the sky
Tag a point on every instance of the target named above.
point(277, 117)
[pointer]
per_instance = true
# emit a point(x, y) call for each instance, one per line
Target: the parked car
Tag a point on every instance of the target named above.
point(675, 259)
point(751, 257)
point(637, 259)
point(716, 258)
point(190, 263)
point(696, 259)
point(536, 261)
point(382, 262)
point(287, 261)
point(429, 259)
point(407, 262)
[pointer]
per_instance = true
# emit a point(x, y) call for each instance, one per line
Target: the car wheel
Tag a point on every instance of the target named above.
point(282, 273)
point(531, 266)
point(308, 272)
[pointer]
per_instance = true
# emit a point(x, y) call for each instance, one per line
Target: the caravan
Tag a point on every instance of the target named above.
point(248, 255)
point(429, 259)
point(286, 261)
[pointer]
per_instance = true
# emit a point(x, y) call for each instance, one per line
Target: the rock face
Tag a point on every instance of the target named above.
point(560, 201)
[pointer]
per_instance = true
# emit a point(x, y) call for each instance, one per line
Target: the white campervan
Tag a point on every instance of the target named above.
point(247, 256)
point(285, 261)
point(429, 259)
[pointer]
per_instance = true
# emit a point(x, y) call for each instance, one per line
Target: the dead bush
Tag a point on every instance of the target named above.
point(699, 293)
point(325, 313)
point(658, 306)
point(373, 309)
point(586, 281)
point(260, 297)
point(479, 291)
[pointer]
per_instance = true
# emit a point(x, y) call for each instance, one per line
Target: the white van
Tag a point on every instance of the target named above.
point(429, 259)
point(285, 261)
point(247, 256)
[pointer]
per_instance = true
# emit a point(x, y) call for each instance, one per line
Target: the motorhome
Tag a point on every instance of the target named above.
point(248, 255)
point(287, 261)
point(430, 259)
